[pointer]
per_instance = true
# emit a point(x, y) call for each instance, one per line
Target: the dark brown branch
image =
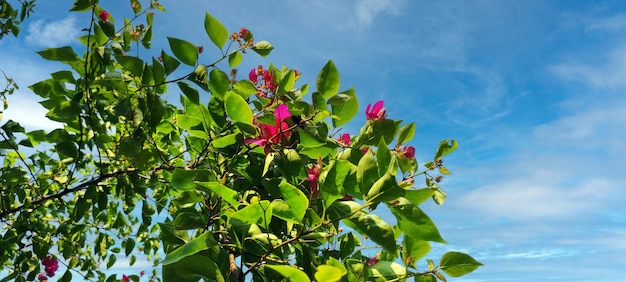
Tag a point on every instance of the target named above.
point(81, 186)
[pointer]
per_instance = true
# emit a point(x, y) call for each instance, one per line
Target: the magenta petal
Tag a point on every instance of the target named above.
point(259, 142)
point(281, 112)
point(252, 76)
point(377, 107)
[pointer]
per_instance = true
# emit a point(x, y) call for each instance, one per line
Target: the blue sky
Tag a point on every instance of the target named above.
point(532, 90)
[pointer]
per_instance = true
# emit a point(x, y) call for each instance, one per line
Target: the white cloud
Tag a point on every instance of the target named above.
point(52, 33)
point(367, 10)
point(613, 23)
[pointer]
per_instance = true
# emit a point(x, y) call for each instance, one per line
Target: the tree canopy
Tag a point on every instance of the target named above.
point(239, 179)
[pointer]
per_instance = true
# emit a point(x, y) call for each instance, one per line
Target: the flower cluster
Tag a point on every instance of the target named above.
point(264, 81)
point(50, 267)
point(313, 174)
point(376, 112)
point(273, 134)
point(407, 152)
point(344, 139)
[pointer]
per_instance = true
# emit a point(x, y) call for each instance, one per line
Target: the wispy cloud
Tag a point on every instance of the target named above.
point(367, 10)
point(608, 74)
point(52, 33)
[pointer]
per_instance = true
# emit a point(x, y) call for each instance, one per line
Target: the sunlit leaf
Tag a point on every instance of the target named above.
point(215, 30)
point(328, 80)
point(290, 272)
point(184, 51)
point(458, 264)
point(446, 147)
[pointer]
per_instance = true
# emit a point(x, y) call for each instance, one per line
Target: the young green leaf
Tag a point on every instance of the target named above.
point(345, 111)
point(215, 30)
point(328, 80)
point(415, 223)
point(445, 147)
point(65, 54)
point(263, 48)
point(184, 51)
point(406, 133)
point(458, 264)
point(192, 247)
point(290, 272)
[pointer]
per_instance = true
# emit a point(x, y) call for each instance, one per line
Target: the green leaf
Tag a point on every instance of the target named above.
point(245, 88)
point(237, 108)
point(255, 213)
point(132, 64)
point(190, 92)
point(216, 31)
point(225, 141)
point(81, 5)
point(319, 103)
point(446, 147)
point(385, 189)
point(383, 158)
point(111, 260)
point(328, 80)
point(419, 196)
point(290, 272)
point(65, 54)
point(201, 243)
point(183, 179)
point(169, 63)
point(184, 51)
point(332, 180)
point(234, 59)
point(413, 250)
point(415, 223)
point(187, 122)
point(219, 83)
point(384, 128)
point(309, 140)
point(227, 194)
point(263, 48)
point(329, 273)
point(385, 271)
point(406, 133)
point(296, 199)
point(287, 82)
point(130, 246)
point(458, 264)
point(66, 111)
point(188, 199)
point(367, 172)
point(345, 111)
point(193, 268)
point(375, 228)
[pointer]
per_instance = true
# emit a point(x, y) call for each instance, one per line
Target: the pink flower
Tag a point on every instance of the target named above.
point(200, 49)
point(344, 139)
point(273, 134)
point(313, 174)
point(253, 76)
point(42, 277)
point(243, 33)
point(50, 265)
point(407, 152)
point(377, 112)
point(104, 16)
point(268, 78)
point(364, 150)
point(125, 278)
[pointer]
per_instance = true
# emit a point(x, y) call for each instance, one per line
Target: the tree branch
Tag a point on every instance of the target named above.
point(81, 186)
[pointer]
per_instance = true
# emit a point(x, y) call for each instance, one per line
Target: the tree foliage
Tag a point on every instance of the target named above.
point(239, 179)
